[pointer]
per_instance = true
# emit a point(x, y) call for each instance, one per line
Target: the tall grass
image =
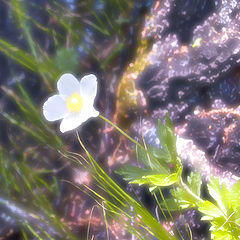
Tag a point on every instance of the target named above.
point(28, 183)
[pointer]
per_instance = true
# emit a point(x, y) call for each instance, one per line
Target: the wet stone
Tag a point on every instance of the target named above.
point(194, 75)
point(217, 133)
point(211, 53)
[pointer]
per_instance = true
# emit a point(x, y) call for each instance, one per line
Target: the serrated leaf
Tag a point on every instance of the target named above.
point(184, 199)
point(160, 180)
point(149, 162)
point(162, 133)
point(206, 218)
point(131, 173)
point(171, 203)
point(225, 227)
point(220, 193)
point(221, 235)
point(167, 137)
point(160, 154)
point(237, 214)
point(195, 182)
point(235, 195)
point(171, 138)
point(209, 209)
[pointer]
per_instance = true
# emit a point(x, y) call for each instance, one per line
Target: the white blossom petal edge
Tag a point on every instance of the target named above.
point(74, 103)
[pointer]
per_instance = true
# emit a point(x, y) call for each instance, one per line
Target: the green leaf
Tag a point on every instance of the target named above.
point(237, 215)
point(224, 228)
point(220, 193)
point(235, 195)
point(171, 138)
point(195, 182)
point(183, 199)
point(162, 135)
point(148, 161)
point(172, 205)
point(162, 155)
point(221, 235)
point(131, 173)
point(160, 180)
point(167, 137)
point(209, 209)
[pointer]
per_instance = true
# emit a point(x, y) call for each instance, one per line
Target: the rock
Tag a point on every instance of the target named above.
point(187, 74)
point(217, 133)
point(195, 75)
point(195, 57)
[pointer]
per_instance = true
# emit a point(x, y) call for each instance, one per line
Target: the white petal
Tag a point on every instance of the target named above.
point(88, 87)
point(55, 108)
point(88, 110)
point(70, 122)
point(94, 112)
point(74, 120)
point(68, 84)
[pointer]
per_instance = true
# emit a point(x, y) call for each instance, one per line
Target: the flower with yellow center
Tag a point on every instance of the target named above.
point(74, 103)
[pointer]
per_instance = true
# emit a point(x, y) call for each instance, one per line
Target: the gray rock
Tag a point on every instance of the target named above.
point(209, 52)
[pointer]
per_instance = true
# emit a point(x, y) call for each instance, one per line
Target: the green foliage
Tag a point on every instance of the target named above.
point(209, 209)
point(223, 214)
point(34, 212)
point(56, 51)
point(131, 173)
point(30, 190)
point(31, 121)
point(161, 166)
point(167, 138)
point(160, 180)
point(194, 182)
point(187, 199)
point(119, 204)
point(154, 163)
point(225, 217)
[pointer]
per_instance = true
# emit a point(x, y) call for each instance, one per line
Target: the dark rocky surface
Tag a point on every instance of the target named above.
point(187, 72)
point(194, 75)
point(195, 61)
point(217, 133)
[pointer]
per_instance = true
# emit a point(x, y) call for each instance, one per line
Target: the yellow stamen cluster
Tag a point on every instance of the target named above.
point(75, 103)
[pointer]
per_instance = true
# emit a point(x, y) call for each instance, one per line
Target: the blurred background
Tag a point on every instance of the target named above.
point(39, 41)
point(150, 57)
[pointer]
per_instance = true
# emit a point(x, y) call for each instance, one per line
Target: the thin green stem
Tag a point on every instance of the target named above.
point(169, 213)
point(132, 140)
point(185, 187)
point(105, 220)
point(122, 132)
point(149, 223)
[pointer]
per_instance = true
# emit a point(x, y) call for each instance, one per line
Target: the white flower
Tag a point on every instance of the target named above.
point(74, 103)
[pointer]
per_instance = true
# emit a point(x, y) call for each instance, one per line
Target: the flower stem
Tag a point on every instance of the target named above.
point(131, 139)
point(180, 182)
point(122, 132)
point(185, 188)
